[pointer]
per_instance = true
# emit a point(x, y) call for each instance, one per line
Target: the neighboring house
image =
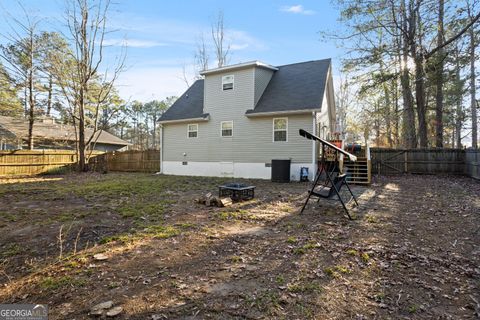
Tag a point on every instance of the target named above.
point(240, 117)
point(47, 134)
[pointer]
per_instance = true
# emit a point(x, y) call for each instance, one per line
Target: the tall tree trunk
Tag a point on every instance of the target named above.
point(31, 114)
point(473, 104)
point(439, 79)
point(31, 97)
point(408, 124)
point(25, 99)
point(81, 130)
point(420, 99)
point(396, 117)
point(84, 74)
point(376, 125)
point(49, 99)
point(419, 59)
point(459, 111)
point(388, 115)
point(387, 106)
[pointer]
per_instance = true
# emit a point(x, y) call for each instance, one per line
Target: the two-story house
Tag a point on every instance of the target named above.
point(240, 117)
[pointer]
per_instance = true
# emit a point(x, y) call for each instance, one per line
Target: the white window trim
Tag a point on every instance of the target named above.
point(221, 129)
point(233, 82)
point(188, 130)
point(273, 129)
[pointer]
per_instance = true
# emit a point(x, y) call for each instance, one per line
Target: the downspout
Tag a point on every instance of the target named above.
point(161, 149)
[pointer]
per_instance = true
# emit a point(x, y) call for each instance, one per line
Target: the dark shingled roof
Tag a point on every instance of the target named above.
point(188, 106)
point(294, 87)
point(47, 129)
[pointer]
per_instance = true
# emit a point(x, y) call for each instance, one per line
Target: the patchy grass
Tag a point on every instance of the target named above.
point(365, 257)
point(11, 250)
point(235, 215)
point(145, 210)
point(292, 240)
point(413, 308)
point(167, 255)
point(371, 219)
point(236, 259)
point(305, 287)
point(54, 283)
point(8, 217)
point(352, 252)
point(305, 248)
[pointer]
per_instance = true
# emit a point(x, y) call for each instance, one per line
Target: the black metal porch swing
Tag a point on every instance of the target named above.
point(334, 179)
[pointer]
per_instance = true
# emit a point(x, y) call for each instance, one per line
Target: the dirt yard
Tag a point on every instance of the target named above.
point(139, 244)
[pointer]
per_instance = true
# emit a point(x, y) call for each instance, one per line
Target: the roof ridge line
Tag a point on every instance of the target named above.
point(291, 64)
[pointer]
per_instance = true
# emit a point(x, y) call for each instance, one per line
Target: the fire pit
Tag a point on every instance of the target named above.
point(236, 191)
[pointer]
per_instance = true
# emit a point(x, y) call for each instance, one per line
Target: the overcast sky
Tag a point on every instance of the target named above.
point(161, 36)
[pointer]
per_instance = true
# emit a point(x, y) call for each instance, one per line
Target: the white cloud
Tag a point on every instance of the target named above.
point(241, 40)
point(297, 9)
point(177, 32)
point(236, 47)
point(133, 43)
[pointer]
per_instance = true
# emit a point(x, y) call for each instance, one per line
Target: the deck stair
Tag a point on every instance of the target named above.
point(360, 171)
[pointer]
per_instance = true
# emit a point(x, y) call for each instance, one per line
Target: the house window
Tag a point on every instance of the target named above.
point(227, 128)
point(280, 129)
point(192, 130)
point(227, 82)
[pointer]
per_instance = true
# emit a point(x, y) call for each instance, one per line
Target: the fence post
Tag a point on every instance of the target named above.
point(405, 157)
point(44, 162)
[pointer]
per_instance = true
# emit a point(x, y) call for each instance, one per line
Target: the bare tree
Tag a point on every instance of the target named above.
point(86, 21)
point(21, 56)
point(184, 76)
point(201, 55)
point(222, 49)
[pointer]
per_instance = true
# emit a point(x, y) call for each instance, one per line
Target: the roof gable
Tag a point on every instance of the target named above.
point(292, 88)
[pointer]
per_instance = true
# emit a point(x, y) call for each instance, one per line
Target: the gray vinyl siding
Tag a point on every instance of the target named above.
point(262, 78)
point(252, 140)
point(226, 104)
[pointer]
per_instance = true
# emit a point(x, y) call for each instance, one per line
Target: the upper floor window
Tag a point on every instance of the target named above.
point(192, 130)
point(227, 82)
point(280, 129)
point(227, 128)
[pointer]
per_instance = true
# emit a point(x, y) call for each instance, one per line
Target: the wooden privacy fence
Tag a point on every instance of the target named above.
point(472, 163)
point(133, 161)
point(426, 161)
point(29, 162)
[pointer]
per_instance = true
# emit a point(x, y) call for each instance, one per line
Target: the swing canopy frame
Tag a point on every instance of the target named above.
point(334, 180)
